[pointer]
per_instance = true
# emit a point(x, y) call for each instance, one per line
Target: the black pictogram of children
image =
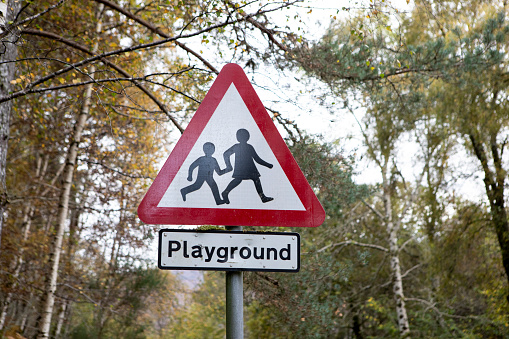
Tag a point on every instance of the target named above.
point(244, 169)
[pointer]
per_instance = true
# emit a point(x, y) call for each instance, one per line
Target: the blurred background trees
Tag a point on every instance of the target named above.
point(419, 249)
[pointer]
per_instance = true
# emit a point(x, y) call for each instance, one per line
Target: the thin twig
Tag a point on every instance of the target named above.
point(374, 210)
point(33, 17)
point(355, 243)
point(114, 170)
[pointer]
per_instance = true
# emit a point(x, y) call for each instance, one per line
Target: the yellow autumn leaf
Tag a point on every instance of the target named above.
point(62, 80)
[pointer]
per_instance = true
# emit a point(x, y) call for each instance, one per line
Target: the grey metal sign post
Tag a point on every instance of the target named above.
point(233, 251)
point(234, 300)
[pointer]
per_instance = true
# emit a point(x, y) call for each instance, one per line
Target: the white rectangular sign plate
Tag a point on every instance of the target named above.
point(228, 250)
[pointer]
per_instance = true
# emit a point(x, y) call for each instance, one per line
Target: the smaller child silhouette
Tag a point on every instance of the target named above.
point(206, 164)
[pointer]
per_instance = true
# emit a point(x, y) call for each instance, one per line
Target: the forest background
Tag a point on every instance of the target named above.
point(396, 113)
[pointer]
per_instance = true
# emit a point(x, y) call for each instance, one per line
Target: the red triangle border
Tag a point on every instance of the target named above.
point(149, 213)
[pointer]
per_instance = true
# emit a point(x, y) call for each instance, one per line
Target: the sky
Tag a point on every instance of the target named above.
point(297, 97)
point(300, 99)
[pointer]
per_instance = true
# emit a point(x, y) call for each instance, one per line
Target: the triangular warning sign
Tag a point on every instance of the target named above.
point(231, 167)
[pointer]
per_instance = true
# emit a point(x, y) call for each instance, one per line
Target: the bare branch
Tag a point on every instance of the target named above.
point(371, 150)
point(114, 170)
point(442, 314)
point(285, 123)
point(173, 89)
point(410, 270)
point(99, 81)
point(33, 17)
point(115, 67)
point(112, 107)
point(108, 54)
point(355, 243)
point(268, 278)
point(55, 177)
point(405, 243)
point(374, 210)
point(80, 291)
point(133, 108)
point(262, 28)
point(156, 30)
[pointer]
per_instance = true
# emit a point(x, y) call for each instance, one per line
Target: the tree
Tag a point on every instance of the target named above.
point(308, 303)
point(203, 316)
point(425, 84)
point(126, 311)
point(99, 160)
point(10, 36)
point(70, 161)
point(195, 16)
point(382, 129)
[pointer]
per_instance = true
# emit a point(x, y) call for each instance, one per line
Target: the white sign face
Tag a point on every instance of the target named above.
point(193, 189)
point(229, 251)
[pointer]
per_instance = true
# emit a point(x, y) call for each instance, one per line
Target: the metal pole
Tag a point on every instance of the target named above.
point(234, 300)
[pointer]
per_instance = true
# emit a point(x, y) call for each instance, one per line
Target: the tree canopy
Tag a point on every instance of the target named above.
point(93, 95)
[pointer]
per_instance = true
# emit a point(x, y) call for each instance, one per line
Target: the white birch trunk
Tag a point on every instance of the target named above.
point(24, 315)
point(48, 301)
point(61, 318)
point(392, 229)
point(27, 310)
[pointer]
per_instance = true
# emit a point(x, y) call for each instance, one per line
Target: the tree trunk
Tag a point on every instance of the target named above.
point(72, 240)
point(27, 220)
point(24, 319)
point(25, 228)
point(48, 301)
point(392, 229)
point(494, 183)
point(8, 52)
point(61, 319)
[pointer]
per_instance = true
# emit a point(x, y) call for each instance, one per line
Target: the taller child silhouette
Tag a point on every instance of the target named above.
point(245, 168)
